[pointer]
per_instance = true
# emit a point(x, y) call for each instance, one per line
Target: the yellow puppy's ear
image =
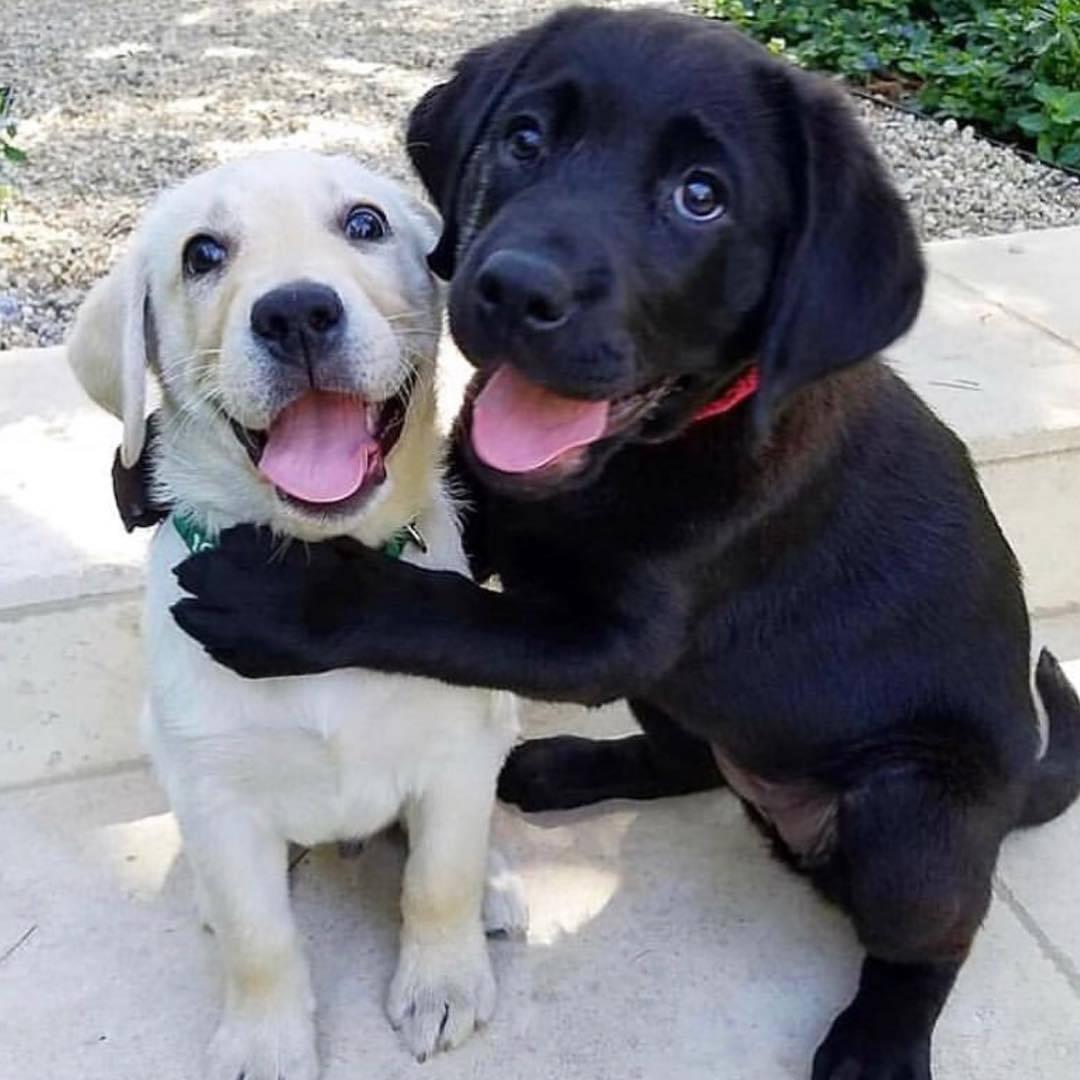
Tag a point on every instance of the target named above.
point(109, 349)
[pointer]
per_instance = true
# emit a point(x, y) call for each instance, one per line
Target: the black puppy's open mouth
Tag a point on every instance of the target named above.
point(326, 451)
point(520, 427)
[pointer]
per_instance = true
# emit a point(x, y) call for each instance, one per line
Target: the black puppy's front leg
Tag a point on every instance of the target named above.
point(565, 771)
point(264, 613)
point(885, 1033)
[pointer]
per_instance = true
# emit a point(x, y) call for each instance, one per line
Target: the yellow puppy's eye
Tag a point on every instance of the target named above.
point(366, 224)
point(203, 254)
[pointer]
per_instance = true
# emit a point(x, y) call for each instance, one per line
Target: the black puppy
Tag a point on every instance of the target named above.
point(799, 587)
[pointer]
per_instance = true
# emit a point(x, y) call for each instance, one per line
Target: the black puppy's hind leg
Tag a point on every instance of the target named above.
point(566, 771)
point(915, 871)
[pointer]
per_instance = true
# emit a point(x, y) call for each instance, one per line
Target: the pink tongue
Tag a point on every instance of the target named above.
point(519, 426)
point(319, 449)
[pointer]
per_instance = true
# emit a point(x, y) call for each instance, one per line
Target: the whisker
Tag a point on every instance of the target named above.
point(279, 552)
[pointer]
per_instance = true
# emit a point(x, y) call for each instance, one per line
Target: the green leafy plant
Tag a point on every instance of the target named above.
point(10, 154)
point(1010, 67)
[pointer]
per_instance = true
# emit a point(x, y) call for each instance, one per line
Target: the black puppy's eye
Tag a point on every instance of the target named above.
point(525, 140)
point(203, 254)
point(700, 197)
point(366, 224)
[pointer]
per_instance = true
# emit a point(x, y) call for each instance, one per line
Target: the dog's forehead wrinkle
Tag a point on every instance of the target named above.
point(548, 91)
point(221, 210)
point(699, 126)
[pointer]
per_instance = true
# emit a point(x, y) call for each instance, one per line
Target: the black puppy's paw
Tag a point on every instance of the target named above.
point(862, 1048)
point(550, 774)
point(266, 609)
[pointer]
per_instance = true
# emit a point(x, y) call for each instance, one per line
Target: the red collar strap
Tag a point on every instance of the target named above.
point(742, 388)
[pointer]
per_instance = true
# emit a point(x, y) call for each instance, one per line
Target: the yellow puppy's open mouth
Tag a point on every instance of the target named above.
point(326, 450)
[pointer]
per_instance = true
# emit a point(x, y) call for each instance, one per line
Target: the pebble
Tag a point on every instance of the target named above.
point(107, 123)
point(966, 186)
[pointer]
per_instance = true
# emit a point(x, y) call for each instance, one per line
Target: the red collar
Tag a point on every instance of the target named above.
point(742, 388)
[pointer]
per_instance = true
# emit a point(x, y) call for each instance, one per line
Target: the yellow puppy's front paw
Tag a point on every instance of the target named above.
point(276, 1044)
point(441, 994)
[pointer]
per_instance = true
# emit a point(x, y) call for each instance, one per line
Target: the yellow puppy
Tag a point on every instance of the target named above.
point(284, 304)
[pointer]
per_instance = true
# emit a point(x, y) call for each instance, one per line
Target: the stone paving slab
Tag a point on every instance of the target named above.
point(1033, 274)
point(664, 942)
point(71, 689)
point(1037, 503)
point(61, 535)
point(1039, 879)
point(1006, 385)
point(1062, 636)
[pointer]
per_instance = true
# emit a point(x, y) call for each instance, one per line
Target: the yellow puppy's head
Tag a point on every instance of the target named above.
point(284, 303)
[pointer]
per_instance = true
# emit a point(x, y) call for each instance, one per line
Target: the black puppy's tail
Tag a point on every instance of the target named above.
point(1055, 783)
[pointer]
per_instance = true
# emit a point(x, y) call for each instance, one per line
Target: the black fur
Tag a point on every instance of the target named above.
point(813, 584)
point(133, 488)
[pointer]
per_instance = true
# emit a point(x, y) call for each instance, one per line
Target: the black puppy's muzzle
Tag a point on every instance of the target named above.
point(546, 301)
point(299, 324)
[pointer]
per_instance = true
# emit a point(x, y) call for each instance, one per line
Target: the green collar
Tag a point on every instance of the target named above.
point(197, 538)
point(193, 533)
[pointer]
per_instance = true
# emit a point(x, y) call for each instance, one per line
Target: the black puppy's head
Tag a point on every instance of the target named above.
point(637, 206)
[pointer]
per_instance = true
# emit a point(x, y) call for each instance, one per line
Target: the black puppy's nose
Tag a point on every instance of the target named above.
point(299, 320)
point(525, 289)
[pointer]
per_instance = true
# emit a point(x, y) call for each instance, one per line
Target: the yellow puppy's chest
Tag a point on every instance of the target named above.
point(325, 757)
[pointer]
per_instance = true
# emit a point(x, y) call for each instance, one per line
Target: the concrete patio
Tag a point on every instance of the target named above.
point(664, 943)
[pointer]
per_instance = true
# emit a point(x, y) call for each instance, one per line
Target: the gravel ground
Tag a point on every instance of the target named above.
point(116, 98)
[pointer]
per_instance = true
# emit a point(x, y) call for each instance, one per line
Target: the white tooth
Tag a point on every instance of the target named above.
point(373, 411)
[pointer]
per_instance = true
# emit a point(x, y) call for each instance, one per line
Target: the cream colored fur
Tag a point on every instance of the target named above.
point(249, 765)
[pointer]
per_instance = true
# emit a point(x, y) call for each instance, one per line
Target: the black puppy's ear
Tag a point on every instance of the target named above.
point(133, 486)
point(450, 120)
point(850, 281)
